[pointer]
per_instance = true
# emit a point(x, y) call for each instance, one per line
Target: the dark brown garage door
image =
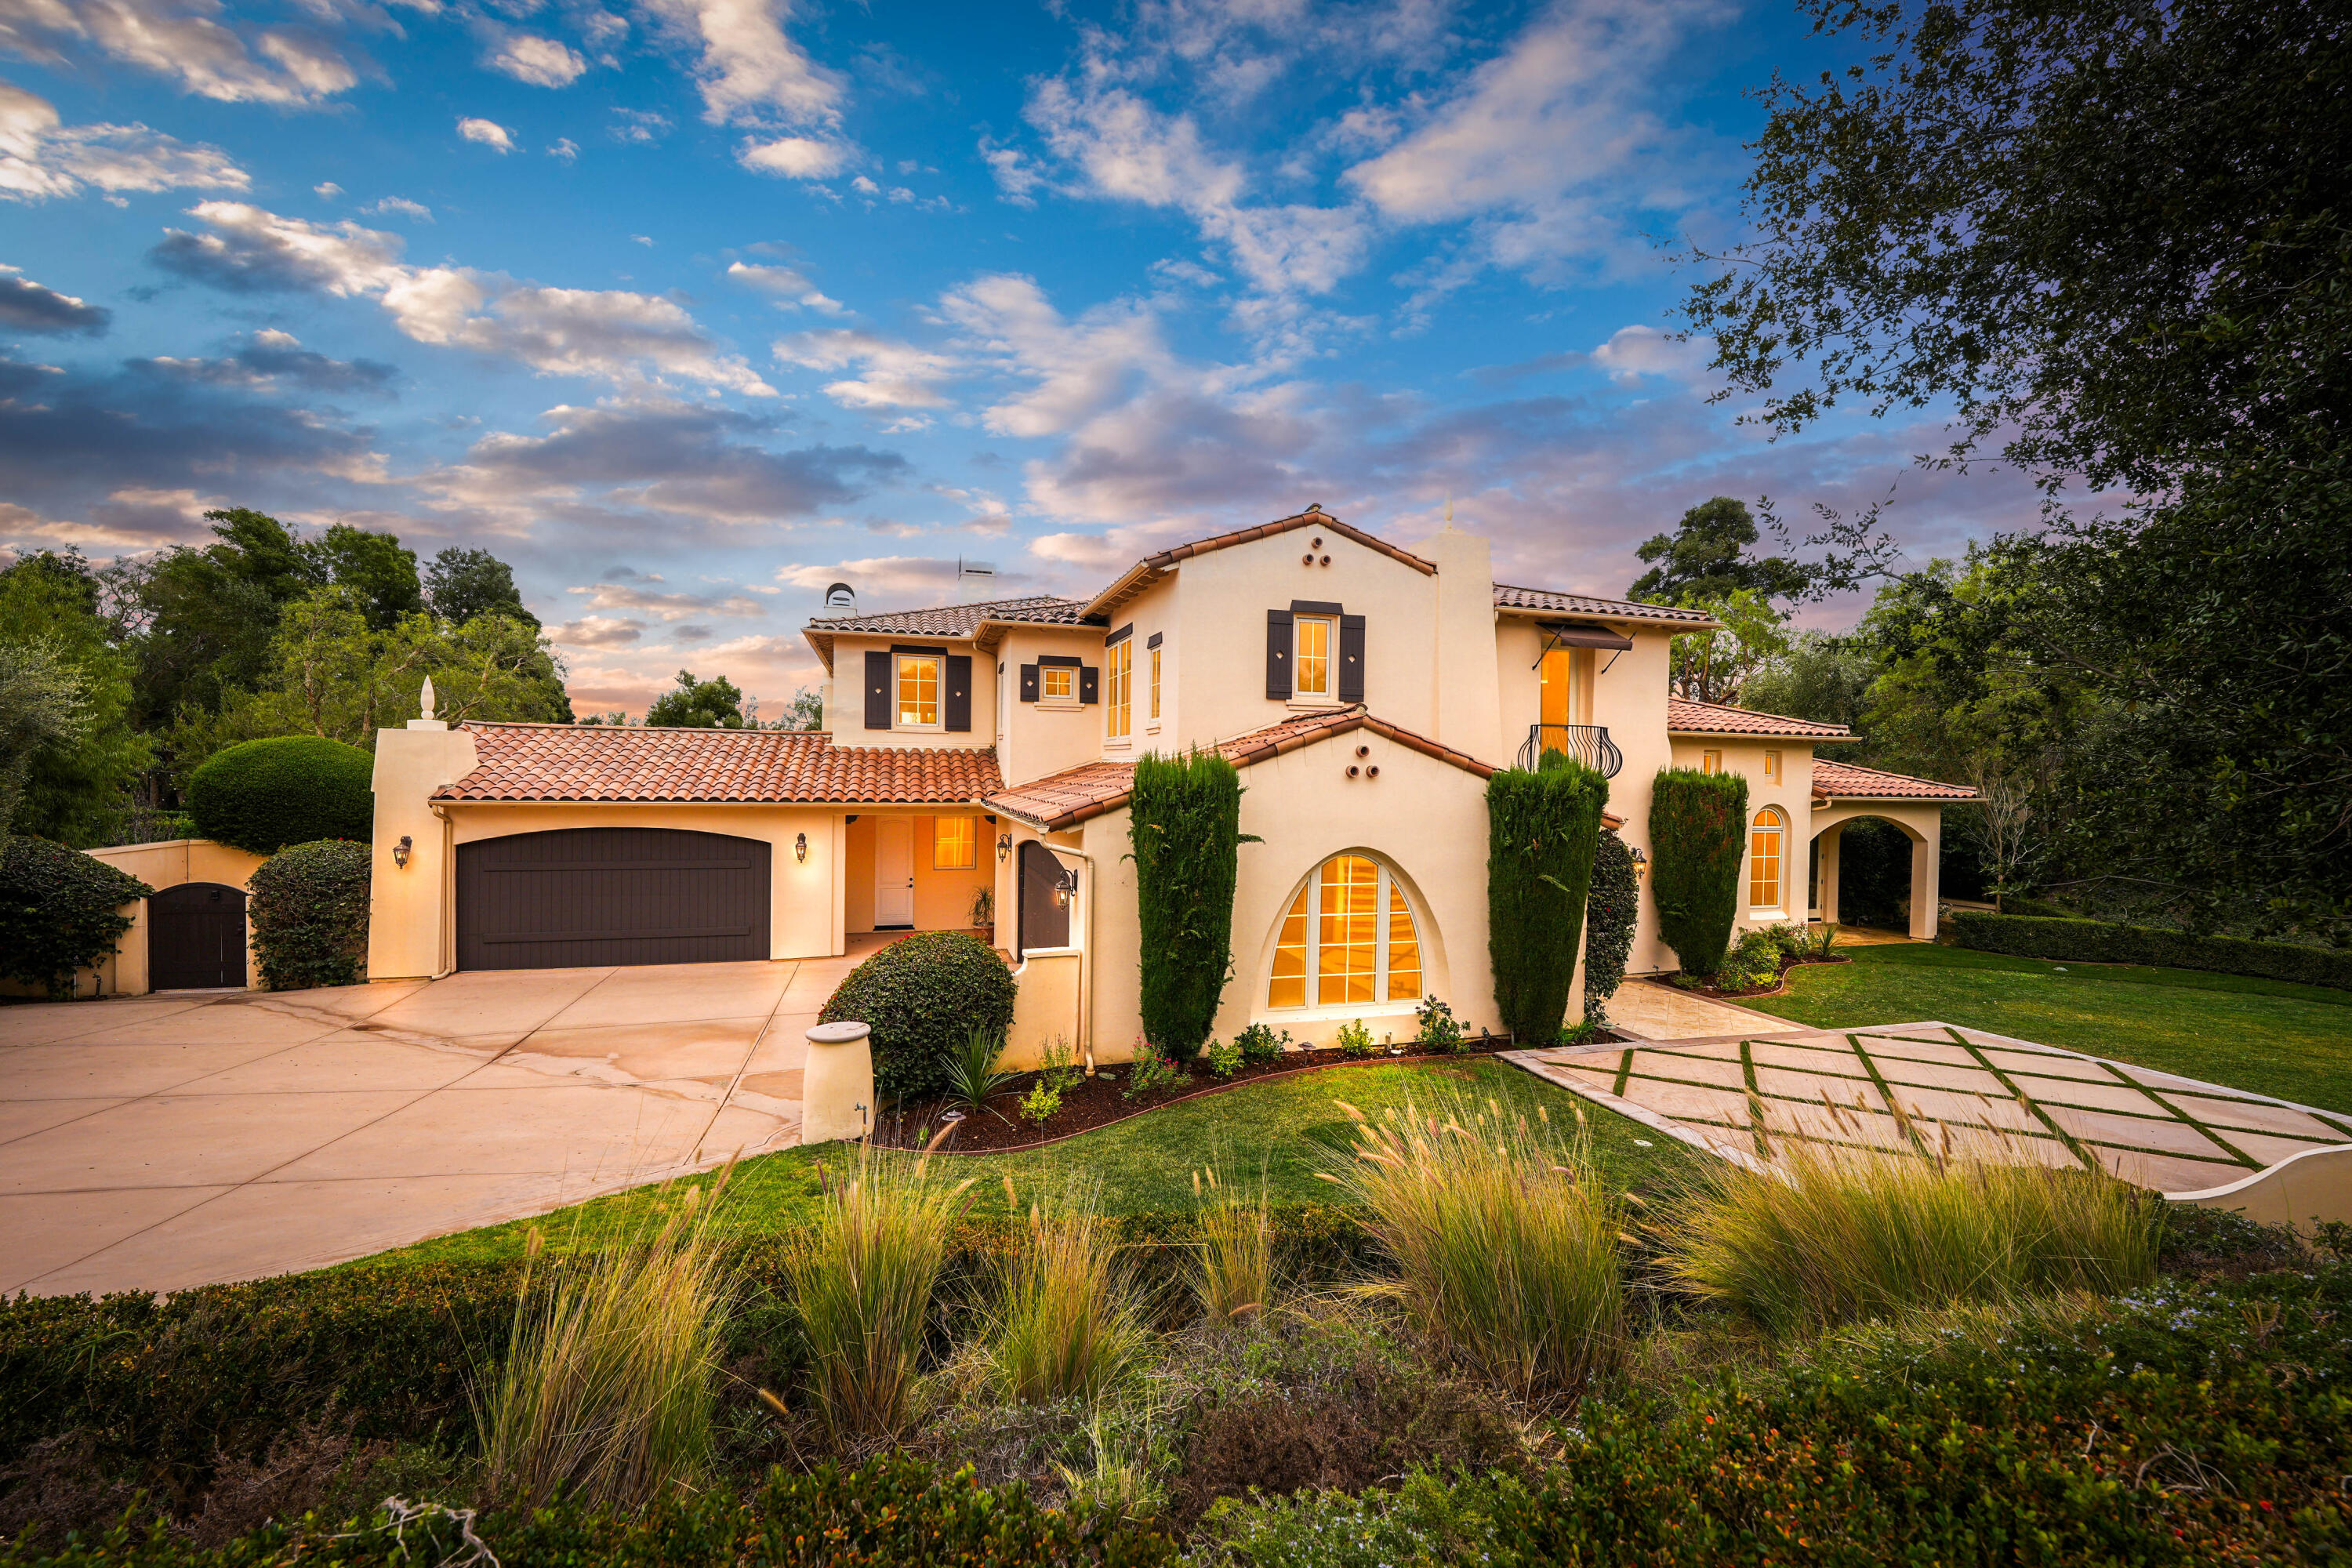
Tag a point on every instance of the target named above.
point(611, 895)
point(195, 937)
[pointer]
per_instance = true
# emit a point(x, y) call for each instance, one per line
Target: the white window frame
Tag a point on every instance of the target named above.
point(1710, 762)
point(1778, 908)
point(971, 844)
point(1330, 693)
point(1118, 674)
point(1046, 696)
point(1155, 687)
point(1384, 887)
point(1772, 765)
point(898, 663)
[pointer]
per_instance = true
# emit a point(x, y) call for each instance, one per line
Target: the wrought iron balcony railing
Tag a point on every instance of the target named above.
point(1586, 743)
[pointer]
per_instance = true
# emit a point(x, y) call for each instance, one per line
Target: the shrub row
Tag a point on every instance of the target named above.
point(891, 1513)
point(172, 1386)
point(2073, 941)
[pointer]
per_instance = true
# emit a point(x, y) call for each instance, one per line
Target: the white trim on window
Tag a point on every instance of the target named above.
point(899, 665)
point(1305, 658)
point(1768, 836)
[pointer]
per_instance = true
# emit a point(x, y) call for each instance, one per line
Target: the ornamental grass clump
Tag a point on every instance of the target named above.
point(606, 1389)
point(1235, 1279)
point(862, 1280)
point(1831, 1235)
point(1506, 1241)
point(1067, 1322)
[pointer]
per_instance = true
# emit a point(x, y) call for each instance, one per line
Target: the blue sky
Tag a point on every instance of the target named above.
point(688, 308)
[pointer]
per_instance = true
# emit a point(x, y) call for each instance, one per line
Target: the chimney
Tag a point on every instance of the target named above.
point(975, 582)
point(840, 599)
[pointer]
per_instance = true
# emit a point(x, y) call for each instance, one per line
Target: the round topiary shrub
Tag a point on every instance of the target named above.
point(921, 996)
point(290, 789)
point(309, 906)
point(59, 911)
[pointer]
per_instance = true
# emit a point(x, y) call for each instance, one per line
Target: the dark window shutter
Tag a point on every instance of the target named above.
point(877, 690)
point(1090, 683)
point(1277, 655)
point(959, 704)
point(1351, 658)
point(1028, 683)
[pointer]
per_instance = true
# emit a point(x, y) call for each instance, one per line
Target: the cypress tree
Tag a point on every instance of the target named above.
point(1542, 830)
point(1697, 824)
point(1184, 826)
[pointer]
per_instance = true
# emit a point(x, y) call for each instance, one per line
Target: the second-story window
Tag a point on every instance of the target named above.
point(1710, 762)
point(1057, 683)
point(1155, 683)
point(1120, 657)
point(1772, 766)
point(918, 691)
point(1311, 663)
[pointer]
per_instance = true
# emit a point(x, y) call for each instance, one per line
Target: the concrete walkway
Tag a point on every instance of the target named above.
point(161, 1142)
point(1653, 1010)
point(1930, 1088)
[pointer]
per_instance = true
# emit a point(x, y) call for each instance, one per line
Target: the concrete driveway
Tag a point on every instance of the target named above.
point(169, 1141)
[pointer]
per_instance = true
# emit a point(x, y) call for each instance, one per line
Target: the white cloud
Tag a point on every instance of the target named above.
point(893, 375)
point(793, 157)
point(1076, 369)
point(751, 72)
point(1017, 179)
point(877, 578)
point(612, 334)
point(326, 190)
point(542, 62)
point(597, 631)
point(489, 133)
point(666, 606)
point(402, 206)
point(40, 157)
point(182, 40)
point(566, 148)
point(865, 187)
point(789, 288)
point(1632, 352)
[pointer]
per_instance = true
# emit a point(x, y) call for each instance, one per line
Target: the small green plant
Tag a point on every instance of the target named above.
point(1824, 940)
point(1584, 1032)
point(1038, 1106)
point(1153, 1073)
point(1356, 1041)
point(1753, 962)
point(1439, 1029)
point(605, 1392)
point(1236, 1274)
point(1067, 1322)
point(975, 1070)
point(983, 905)
point(1834, 1234)
point(1223, 1057)
point(1503, 1237)
point(1261, 1045)
point(1057, 1064)
point(861, 1279)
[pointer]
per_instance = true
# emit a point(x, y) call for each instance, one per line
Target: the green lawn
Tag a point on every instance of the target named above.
point(2268, 1035)
point(1288, 1126)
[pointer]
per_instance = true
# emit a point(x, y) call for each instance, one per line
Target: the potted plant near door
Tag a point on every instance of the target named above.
point(983, 914)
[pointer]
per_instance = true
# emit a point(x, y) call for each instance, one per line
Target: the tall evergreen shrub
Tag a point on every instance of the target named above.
point(1610, 911)
point(309, 914)
point(1698, 824)
point(1542, 830)
point(1185, 830)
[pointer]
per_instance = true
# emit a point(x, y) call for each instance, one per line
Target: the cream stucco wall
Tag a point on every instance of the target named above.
point(1921, 821)
point(410, 933)
point(1039, 739)
point(847, 718)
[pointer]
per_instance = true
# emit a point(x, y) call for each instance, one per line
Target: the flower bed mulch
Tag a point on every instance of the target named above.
point(1101, 1101)
point(1775, 989)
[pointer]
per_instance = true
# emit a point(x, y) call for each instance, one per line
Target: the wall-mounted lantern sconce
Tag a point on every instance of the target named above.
point(1066, 888)
point(1641, 864)
point(400, 851)
point(800, 848)
point(1004, 845)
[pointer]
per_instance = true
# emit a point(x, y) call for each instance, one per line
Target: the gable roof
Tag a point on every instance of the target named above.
point(1093, 789)
point(1685, 717)
point(1544, 600)
point(957, 621)
point(1153, 568)
point(763, 767)
point(1851, 781)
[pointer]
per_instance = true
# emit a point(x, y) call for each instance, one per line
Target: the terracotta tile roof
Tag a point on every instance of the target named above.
point(1685, 717)
point(1850, 781)
point(1509, 598)
point(1151, 568)
point(1075, 795)
point(957, 620)
point(622, 763)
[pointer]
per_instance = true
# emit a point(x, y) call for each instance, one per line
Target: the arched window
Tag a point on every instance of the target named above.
point(1349, 938)
point(1764, 843)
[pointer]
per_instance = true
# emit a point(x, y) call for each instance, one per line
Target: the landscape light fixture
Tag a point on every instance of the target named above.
point(399, 851)
point(800, 848)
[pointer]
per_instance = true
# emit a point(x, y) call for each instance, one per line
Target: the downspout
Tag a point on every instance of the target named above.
point(446, 914)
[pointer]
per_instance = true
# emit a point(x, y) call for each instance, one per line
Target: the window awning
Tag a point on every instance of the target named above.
point(1583, 634)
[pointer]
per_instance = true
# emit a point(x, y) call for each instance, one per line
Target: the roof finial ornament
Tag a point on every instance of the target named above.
point(424, 698)
point(1449, 509)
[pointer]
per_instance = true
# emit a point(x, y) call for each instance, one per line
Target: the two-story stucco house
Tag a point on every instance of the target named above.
point(975, 762)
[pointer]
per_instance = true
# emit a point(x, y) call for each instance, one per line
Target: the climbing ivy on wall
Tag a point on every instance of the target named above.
point(1610, 910)
point(1541, 830)
point(1184, 828)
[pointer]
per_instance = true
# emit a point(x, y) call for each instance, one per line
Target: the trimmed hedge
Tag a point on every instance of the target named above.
point(2069, 940)
point(1698, 833)
point(1610, 910)
point(1541, 830)
point(263, 795)
point(58, 911)
point(890, 1512)
point(1184, 824)
point(921, 996)
point(309, 914)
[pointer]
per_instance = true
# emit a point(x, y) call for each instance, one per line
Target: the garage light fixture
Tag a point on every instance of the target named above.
point(800, 848)
point(1004, 845)
point(399, 851)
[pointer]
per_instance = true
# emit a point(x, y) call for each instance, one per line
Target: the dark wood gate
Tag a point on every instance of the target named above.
point(583, 896)
point(195, 937)
point(1045, 919)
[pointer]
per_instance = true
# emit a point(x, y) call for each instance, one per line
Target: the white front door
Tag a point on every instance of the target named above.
point(894, 871)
